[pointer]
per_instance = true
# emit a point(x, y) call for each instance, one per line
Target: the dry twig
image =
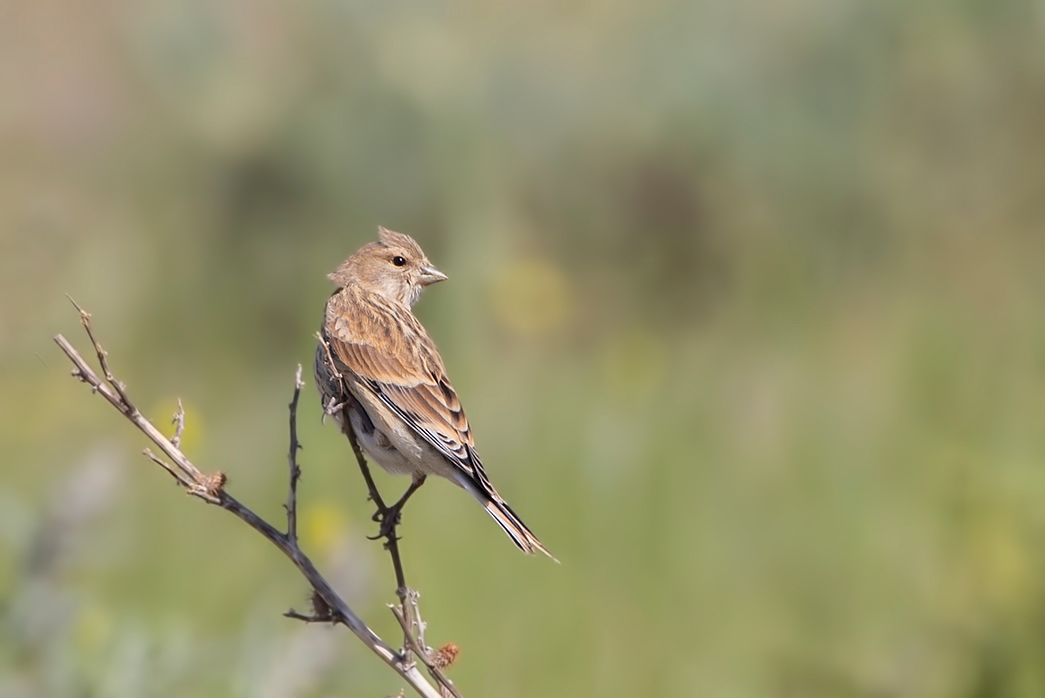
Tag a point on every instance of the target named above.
point(179, 424)
point(327, 605)
point(409, 617)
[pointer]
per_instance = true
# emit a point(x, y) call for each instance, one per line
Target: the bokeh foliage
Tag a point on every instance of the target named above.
point(746, 306)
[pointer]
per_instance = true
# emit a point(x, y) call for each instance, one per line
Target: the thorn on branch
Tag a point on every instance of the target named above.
point(302, 617)
point(83, 313)
point(179, 425)
point(321, 611)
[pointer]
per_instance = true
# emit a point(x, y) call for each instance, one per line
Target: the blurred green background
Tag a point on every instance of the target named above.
point(746, 304)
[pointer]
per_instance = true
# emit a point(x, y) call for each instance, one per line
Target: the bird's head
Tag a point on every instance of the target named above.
point(394, 267)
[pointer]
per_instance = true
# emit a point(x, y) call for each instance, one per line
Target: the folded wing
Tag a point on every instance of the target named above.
point(392, 356)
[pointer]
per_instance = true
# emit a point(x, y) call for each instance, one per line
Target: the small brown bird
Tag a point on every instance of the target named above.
point(379, 373)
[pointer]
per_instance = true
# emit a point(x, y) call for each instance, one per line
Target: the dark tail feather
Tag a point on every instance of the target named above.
point(513, 526)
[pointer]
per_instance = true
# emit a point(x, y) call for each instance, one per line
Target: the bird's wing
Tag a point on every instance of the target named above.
point(389, 353)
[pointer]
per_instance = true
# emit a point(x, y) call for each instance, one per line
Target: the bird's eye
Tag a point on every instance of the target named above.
point(398, 261)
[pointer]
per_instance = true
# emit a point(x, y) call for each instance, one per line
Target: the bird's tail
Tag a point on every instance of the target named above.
point(480, 487)
point(513, 525)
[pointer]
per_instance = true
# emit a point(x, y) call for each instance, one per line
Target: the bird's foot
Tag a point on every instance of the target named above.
point(389, 518)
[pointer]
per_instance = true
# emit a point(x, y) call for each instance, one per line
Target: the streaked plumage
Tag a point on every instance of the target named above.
point(376, 364)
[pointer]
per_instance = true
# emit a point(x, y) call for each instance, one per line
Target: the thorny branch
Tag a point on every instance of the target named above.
point(292, 461)
point(409, 617)
point(327, 605)
point(407, 612)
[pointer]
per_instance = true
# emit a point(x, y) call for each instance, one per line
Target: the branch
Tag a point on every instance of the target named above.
point(328, 606)
point(409, 617)
point(407, 612)
point(292, 461)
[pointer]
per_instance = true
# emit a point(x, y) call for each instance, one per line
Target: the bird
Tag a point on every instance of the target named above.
point(380, 374)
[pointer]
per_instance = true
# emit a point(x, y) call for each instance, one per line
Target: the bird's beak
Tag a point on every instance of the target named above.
point(431, 275)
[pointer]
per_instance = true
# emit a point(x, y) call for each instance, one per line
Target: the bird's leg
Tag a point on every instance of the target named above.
point(389, 517)
point(414, 487)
